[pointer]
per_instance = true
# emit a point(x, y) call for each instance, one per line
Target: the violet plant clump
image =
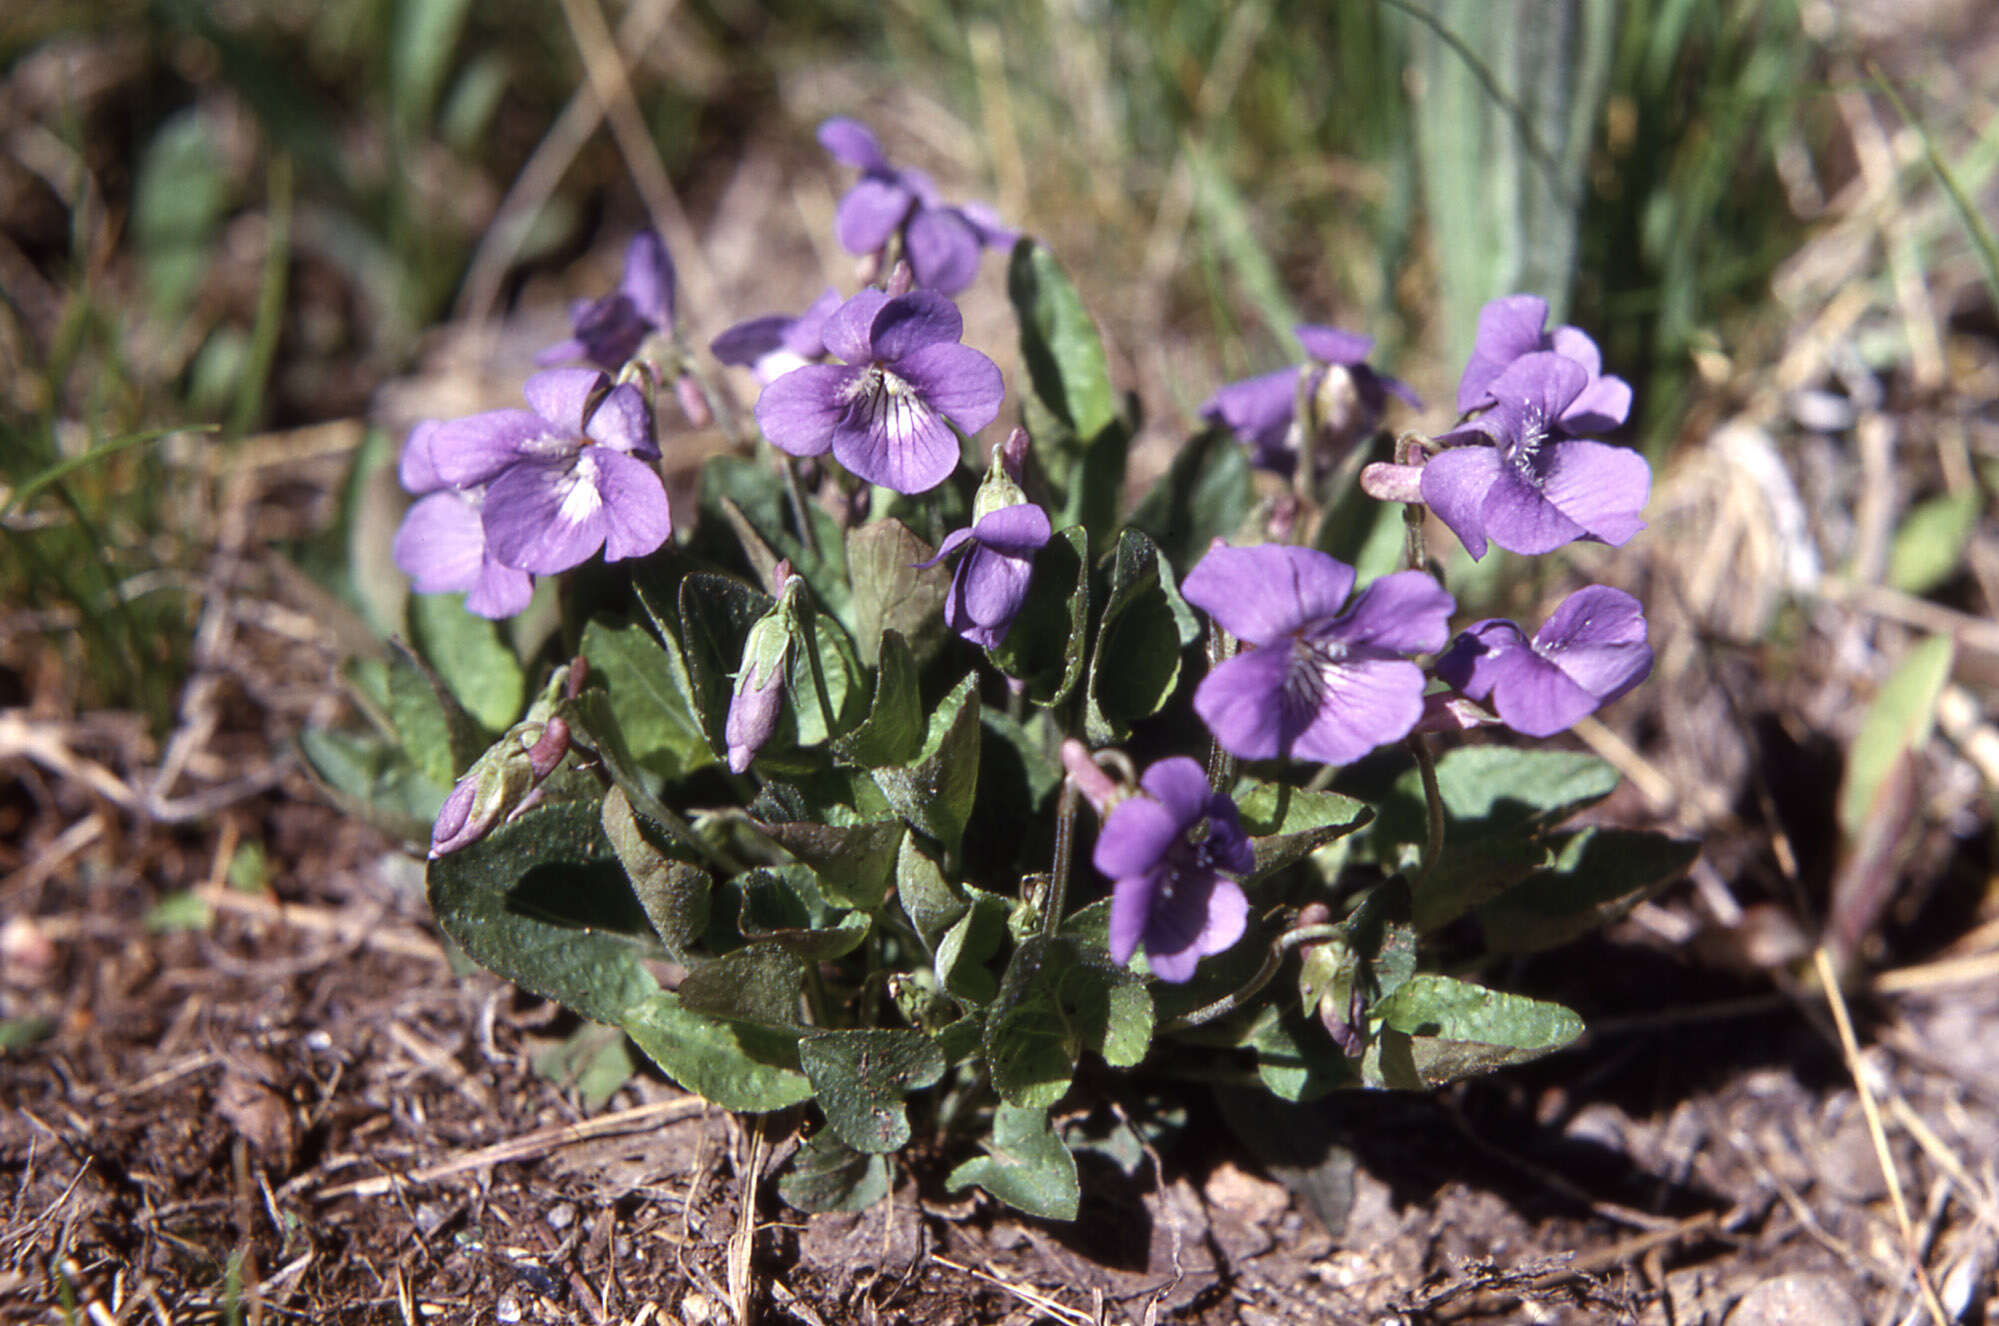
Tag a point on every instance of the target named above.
point(847, 747)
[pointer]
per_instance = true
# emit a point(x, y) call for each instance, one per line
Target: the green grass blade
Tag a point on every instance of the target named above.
point(62, 469)
point(1981, 235)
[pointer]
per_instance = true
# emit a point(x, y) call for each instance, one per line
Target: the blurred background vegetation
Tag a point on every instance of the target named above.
point(228, 230)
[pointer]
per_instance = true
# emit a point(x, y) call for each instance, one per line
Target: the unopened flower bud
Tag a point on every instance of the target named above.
point(693, 401)
point(1011, 453)
point(1343, 412)
point(1001, 486)
point(1098, 788)
point(500, 784)
point(478, 802)
point(759, 693)
point(752, 718)
point(1392, 483)
point(1447, 711)
point(549, 748)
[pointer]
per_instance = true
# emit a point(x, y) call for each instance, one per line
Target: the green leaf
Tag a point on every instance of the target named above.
point(1436, 1030)
point(893, 731)
point(825, 1174)
point(853, 862)
point(653, 696)
point(839, 671)
point(591, 1060)
point(1145, 629)
point(756, 494)
point(1285, 824)
point(1295, 1056)
point(593, 727)
point(1376, 948)
point(1898, 722)
point(1080, 438)
point(783, 904)
point(1066, 366)
point(969, 944)
point(674, 894)
point(760, 983)
point(933, 792)
point(373, 779)
point(1498, 803)
point(1090, 926)
point(20, 1033)
point(1598, 876)
point(932, 903)
point(716, 613)
point(1044, 647)
point(543, 902)
point(1206, 494)
point(439, 737)
point(861, 1078)
point(891, 593)
point(1054, 1001)
point(1026, 754)
point(959, 1041)
point(1025, 1165)
point(470, 657)
point(179, 199)
point(183, 909)
point(1929, 545)
point(732, 1064)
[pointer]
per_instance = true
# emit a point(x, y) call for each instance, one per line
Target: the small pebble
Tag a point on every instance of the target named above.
point(507, 1310)
point(1797, 1300)
point(430, 1215)
point(560, 1216)
point(319, 1041)
point(696, 1310)
point(1822, 411)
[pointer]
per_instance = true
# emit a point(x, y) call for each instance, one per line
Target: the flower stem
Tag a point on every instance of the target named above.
point(1409, 451)
point(1065, 846)
point(1229, 1003)
point(1304, 479)
point(1221, 765)
point(1433, 799)
point(807, 535)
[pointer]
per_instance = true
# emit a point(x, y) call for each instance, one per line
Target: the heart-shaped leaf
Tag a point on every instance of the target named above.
point(861, 1078)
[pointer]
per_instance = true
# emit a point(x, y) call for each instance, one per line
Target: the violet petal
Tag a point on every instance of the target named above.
point(799, 411)
point(1258, 594)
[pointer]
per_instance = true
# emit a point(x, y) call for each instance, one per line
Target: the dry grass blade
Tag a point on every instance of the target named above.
point(1034, 1298)
point(529, 1146)
point(1850, 1046)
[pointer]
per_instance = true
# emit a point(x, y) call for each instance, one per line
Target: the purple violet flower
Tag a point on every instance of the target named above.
point(941, 242)
point(990, 581)
point(1165, 851)
point(1350, 397)
point(1536, 487)
point(441, 547)
point(609, 331)
point(774, 344)
point(887, 412)
point(559, 485)
point(441, 544)
point(1512, 327)
point(1319, 683)
point(1588, 653)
